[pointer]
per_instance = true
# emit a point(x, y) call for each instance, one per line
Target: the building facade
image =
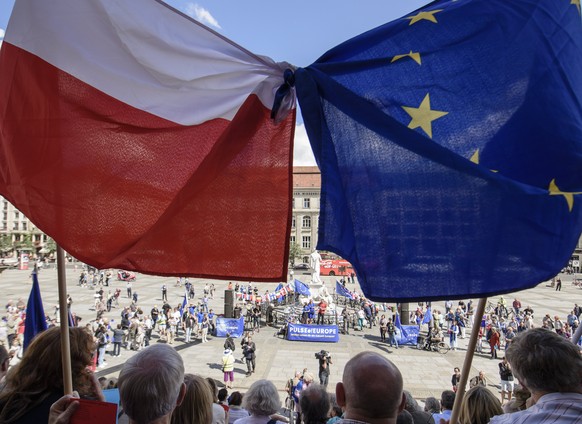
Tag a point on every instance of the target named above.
point(17, 232)
point(304, 224)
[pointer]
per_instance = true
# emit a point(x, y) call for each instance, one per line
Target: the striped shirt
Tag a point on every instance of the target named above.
point(555, 408)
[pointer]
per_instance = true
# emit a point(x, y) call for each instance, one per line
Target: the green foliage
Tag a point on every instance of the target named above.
point(294, 252)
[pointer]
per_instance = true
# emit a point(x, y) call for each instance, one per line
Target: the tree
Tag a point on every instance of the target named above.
point(50, 246)
point(25, 242)
point(294, 252)
point(5, 243)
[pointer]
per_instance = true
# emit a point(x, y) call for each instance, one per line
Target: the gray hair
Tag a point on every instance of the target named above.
point(315, 404)
point(262, 398)
point(545, 362)
point(432, 405)
point(149, 383)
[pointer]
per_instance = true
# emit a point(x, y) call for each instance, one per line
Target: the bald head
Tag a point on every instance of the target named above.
point(371, 389)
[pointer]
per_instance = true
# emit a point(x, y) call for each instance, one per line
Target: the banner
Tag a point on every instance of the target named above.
point(407, 335)
point(233, 326)
point(313, 333)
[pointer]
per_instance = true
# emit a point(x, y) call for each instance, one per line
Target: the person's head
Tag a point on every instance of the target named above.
point(481, 374)
point(457, 370)
point(222, 394)
point(545, 362)
point(308, 377)
point(151, 383)
point(404, 417)
point(479, 406)
point(28, 378)
point(315, 404)
point(103, 382)
point(371, 388)
point(213, 389)
point(262, 398)
point(447, 400)
point(432, 405)
point(235, 399)
point(411, 403)
point(197, 404)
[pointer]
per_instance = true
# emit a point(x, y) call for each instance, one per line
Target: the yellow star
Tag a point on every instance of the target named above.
point(569, 196)
point(428, 16)
point(413, 56)
point(475, 157)
point(577, 4)
point(423, 115)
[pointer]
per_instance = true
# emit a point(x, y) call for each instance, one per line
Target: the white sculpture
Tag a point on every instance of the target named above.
point(314, 260)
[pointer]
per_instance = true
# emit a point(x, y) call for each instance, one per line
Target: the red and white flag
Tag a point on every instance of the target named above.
point(140, 139)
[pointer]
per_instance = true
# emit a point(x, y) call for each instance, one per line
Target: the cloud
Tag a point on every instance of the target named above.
point(2, 32)
point(201, 15)
point(302, 154)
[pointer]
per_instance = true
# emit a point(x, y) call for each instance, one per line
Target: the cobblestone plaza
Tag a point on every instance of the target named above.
point(425, 373)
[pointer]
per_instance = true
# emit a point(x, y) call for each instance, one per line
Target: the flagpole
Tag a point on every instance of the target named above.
point(468, 360)
point(64, 314)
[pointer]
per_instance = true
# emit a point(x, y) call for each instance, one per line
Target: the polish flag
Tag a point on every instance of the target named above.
point(139, 139)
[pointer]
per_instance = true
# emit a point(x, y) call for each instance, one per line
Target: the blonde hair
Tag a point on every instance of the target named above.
point(40, 373)
point(197, 404)
point(478, 406)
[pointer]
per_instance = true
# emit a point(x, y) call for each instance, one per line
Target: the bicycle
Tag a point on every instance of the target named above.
point(440, 347)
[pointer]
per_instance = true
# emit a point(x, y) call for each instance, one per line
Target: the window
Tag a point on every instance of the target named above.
point(15, 227)
point(293, 203)
point(24, 226)
point(293, 221)
point(306, 222)
point(306, 203)
point(306, 242)
point(292, 240)
point(16, 214)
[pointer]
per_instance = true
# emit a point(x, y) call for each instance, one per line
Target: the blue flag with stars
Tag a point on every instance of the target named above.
point(450, 147)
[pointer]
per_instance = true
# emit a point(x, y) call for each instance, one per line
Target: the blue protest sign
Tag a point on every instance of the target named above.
point(313, 333)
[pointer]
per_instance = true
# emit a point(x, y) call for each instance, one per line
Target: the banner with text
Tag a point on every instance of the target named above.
point(233, 326)
point(313, 333)
point(409, 336)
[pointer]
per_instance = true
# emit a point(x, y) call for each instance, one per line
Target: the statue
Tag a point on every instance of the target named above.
point(314, 260)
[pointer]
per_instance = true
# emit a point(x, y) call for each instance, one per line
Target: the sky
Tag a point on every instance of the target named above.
point(297, 32)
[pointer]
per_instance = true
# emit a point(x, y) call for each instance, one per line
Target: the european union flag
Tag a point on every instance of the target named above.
point(398, 324)
point(35, 321)
point(450, 147)
point(302, 288)
point(343, 291)
point(427, 317)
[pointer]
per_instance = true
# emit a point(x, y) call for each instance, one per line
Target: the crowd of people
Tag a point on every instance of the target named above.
point(154, 388)
point(190, 320)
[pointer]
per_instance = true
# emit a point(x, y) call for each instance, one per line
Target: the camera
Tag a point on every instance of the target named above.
point(322, 355)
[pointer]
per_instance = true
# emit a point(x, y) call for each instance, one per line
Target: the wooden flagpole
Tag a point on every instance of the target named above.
point(468, 360)
point(64, 314)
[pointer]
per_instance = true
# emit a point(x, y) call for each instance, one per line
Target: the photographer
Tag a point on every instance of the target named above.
point(324, 363)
